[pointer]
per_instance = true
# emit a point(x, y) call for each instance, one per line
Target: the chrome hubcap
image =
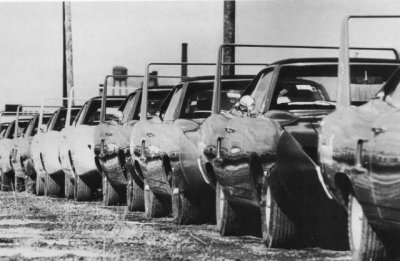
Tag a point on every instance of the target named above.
point(221, 201)
point(268, 208)
point(357, 218)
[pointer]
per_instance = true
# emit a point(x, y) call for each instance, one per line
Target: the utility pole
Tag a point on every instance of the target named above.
point(229, 36)
point(184, 59)
point(68, 72)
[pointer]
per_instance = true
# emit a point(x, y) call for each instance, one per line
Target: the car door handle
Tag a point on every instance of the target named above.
point(378, 130)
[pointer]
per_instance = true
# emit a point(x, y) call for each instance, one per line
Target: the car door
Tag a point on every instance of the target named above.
point(385, 159)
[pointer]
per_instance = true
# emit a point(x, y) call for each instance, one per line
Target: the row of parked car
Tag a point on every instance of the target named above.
point(301, 154)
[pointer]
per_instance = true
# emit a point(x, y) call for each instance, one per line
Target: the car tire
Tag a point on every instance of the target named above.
point(184, 211)
point(53, 186)
point(134, 195)
point(82, 192)
point(228, 220)
point(153, 205)
point(278, 231)
point(40, 186)
point(110, 194)
point(69, 187)
point(364, 243)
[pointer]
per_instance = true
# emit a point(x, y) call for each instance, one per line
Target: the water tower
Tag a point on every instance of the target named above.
point(120, 75)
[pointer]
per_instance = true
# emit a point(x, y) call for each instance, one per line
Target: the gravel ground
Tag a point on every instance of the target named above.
point(41, 228)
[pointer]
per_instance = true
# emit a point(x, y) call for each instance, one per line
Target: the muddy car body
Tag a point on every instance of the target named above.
point(21, 159)
point(166, 151)
point(112, 145)
point(44, 152)
point(6, 145)
point(266, 159)
point(76, 150)
point(359, 160)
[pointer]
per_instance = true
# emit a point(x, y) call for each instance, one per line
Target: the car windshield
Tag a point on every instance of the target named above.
point(197, 102)
point(45, 120)
point(315, 85)
point(174, 103)
point(128, 105)
point(3, 128)
point(58, 122)
point(22, 124)
point(93, 110)
point(154, 101)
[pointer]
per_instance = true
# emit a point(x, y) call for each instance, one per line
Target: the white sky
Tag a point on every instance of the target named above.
point(135, 33)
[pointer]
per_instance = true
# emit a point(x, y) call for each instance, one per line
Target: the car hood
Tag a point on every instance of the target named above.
point(164, 137)
point(251, 135)
point(117, 135)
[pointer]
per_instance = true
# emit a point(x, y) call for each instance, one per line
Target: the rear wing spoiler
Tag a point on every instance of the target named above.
point(343, 94)
point(217, 83)
point(143, 108)
point(105, 88)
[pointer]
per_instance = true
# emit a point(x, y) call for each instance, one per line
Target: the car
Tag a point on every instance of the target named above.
point(20, 158)
point(112, 145)
point(6, 145)
point(76, 151)
point(265, 162)
point(359, 161)
point(44, 151)
point(165, 150)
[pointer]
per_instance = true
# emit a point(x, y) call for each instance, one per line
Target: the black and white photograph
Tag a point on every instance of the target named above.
point(200, 130)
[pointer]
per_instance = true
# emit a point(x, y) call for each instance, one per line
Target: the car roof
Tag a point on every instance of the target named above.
point(223, 77)
point(108, 97)
point(335, 60)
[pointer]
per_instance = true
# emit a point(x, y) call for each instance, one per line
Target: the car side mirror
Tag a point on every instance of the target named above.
point(282, 117)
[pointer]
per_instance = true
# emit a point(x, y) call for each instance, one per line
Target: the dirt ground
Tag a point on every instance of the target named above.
point(41, 228)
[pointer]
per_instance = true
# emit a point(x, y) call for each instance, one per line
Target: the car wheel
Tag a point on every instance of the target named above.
point(364, 243)
point(184, 211)
point(229, 222)
point(110, 194)
point(69, 187)
point(134, 195)
point(54, 186)
point(233, 220)
point(82, 192)
point(39, 186)
point(278, 230)
point(153, 205)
